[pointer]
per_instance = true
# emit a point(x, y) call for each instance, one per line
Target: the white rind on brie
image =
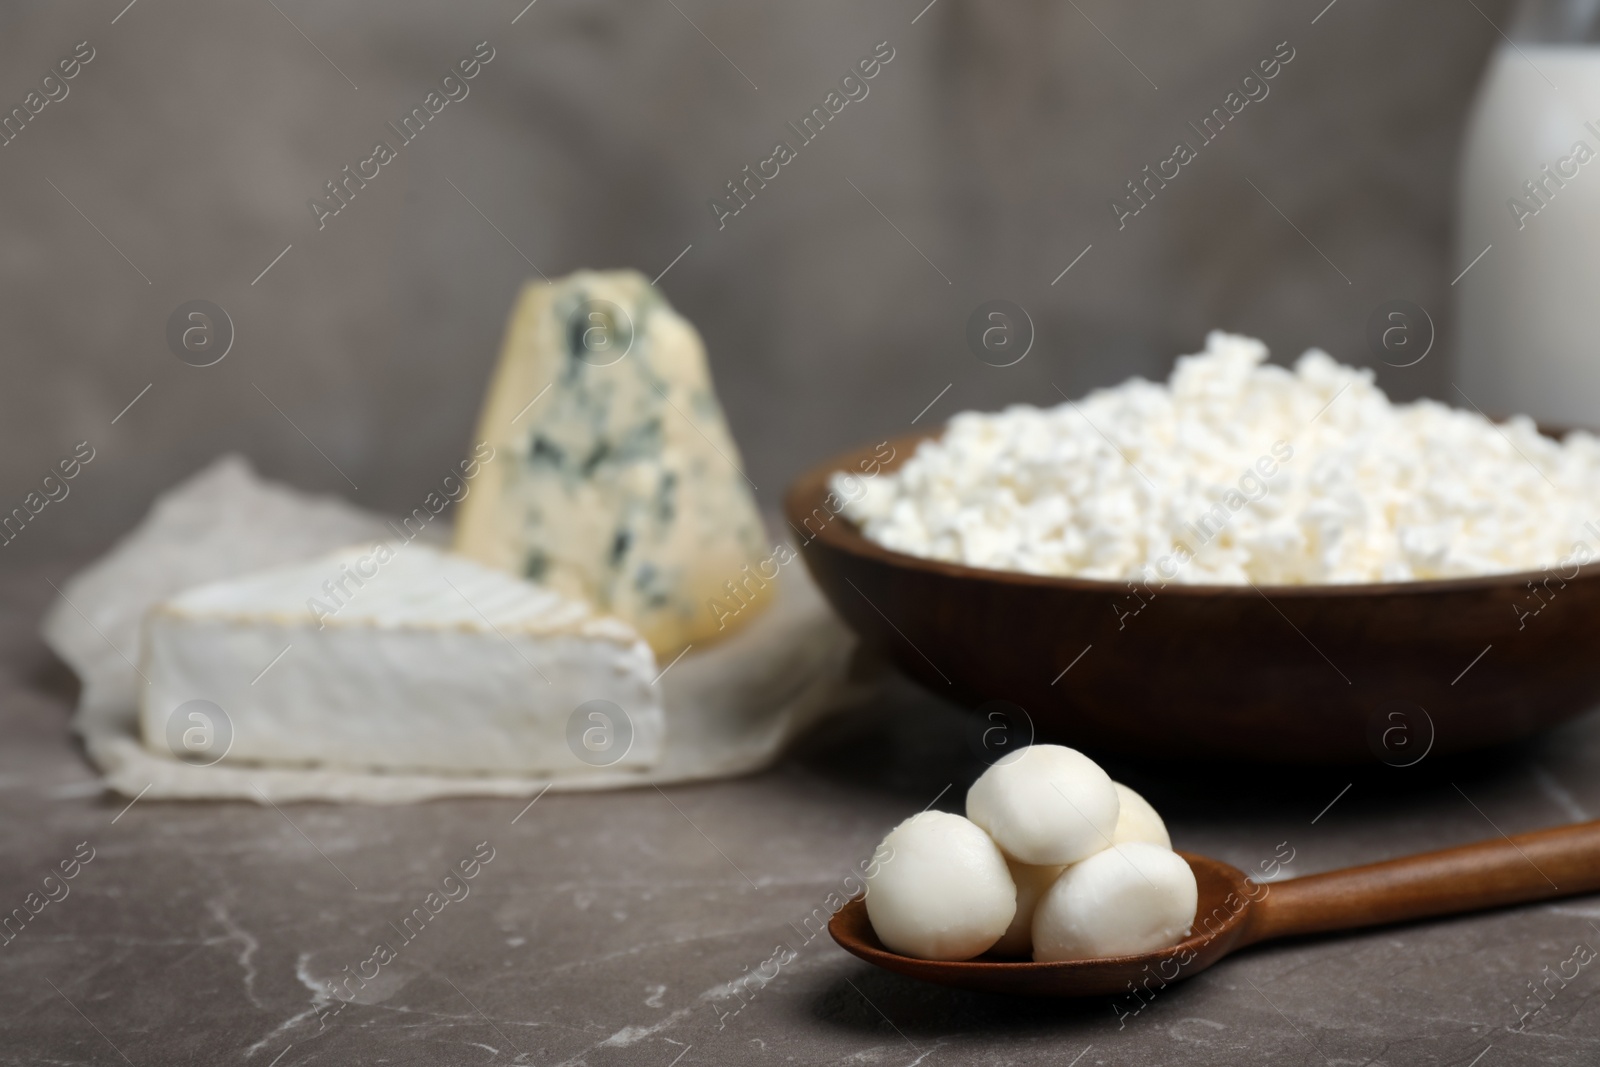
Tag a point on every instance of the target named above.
point(616, 479)
point(399, 657)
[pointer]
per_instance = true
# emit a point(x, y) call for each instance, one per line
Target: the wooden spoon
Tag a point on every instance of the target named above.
point(1235, 912)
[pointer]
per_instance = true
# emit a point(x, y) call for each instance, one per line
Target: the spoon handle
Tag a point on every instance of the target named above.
point(1558, 862)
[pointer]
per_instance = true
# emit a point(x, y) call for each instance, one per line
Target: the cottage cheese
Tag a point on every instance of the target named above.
point(1237, 471)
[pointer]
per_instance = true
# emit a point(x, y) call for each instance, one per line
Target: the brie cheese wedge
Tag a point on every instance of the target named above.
point(397, 657)
point(615, 477)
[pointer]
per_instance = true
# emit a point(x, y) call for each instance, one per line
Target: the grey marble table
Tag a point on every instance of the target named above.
point(635, 927)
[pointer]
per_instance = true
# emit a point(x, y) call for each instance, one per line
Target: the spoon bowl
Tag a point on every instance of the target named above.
point(1234, 912)
point(1223, 901)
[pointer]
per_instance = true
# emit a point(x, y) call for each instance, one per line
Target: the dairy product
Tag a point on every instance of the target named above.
point(1033, 869)
point(1137, 820)
point(616, 479)
point(1530, 187)
point(945, 892)
point(1238, 471)
point(1128, 899)
point(430, 662)
point(1032, 883)
point(1046, 805)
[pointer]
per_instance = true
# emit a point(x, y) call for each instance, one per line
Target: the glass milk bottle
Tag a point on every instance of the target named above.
point(1528, 223)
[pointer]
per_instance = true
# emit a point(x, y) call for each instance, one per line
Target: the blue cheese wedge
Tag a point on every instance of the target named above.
point(397, 657)
point(615, 479)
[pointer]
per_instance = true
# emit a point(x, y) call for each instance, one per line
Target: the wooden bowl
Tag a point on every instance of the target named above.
point(1312, 674)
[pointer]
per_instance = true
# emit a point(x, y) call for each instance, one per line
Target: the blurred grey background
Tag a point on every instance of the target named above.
point(834, 306)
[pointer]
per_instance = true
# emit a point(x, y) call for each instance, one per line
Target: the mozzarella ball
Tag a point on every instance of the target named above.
point(1031, 884)
point(1131, 898)
point(1046, 805)
point(1138, 821)
point(943, 893)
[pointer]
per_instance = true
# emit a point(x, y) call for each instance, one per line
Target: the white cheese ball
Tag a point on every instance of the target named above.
point(1138, 821)
point(1046, 805)
point(944, 892)
point(1129, 899)
point(1032, 883)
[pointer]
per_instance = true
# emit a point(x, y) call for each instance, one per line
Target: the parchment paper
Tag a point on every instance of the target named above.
point(729, 709)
